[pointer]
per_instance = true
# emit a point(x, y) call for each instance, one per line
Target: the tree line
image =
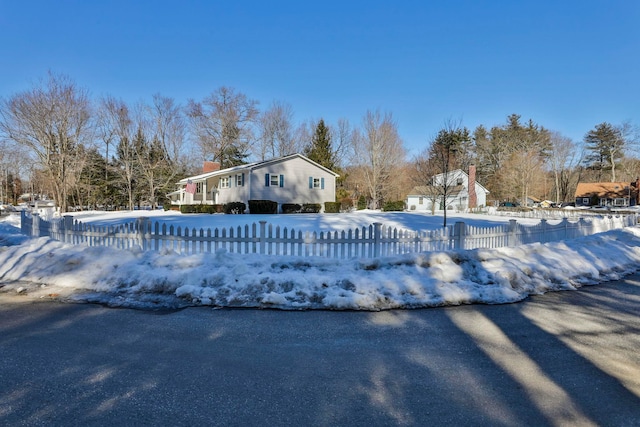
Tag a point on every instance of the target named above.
point(56, 140)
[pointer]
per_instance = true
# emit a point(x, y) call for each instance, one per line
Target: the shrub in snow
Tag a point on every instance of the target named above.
point(311, 208)
point(289, 208)
point(263, 207)
point(332, 207)
point(235, 208)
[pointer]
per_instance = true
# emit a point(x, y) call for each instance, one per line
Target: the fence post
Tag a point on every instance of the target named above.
point(142, 232)
point(35, 224)
point(511, 238)
point(459, 233)
point(263, 236)
point(23, 222)
point(67, 228)
point(377, 226)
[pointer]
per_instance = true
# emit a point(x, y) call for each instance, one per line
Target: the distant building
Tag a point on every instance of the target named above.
point(612, 194)
point(465, 193)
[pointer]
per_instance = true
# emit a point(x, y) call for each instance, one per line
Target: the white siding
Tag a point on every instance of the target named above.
point(235, 192)
point(296, 172)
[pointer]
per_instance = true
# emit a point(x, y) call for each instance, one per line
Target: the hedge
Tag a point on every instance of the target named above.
point(289, 208)
point(208, 209)
point(263, 207)
point(228, 208)
point(311, 208)
point(235, 208)
point(393, 206)
point(332, 207)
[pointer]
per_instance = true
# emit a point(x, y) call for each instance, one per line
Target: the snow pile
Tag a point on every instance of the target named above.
point(44, 268)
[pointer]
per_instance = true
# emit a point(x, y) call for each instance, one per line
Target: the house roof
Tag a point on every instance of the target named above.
point(251, 166)
point(604, 189)
point(419, 190)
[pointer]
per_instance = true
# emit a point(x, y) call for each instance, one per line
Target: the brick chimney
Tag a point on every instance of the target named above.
point(210, 167)
point(473, 197)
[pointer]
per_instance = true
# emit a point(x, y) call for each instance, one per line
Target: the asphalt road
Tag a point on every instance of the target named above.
point(570, 358)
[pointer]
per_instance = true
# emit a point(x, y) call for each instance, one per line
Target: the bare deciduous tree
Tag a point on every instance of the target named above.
point(52, 120)
point(116, 127)
point(342, 138)
point(564, 156)
point(223, 125)
point(12, 162)
point(159, 143)
point(434, 166)
point(276, 132)
point(378, 150)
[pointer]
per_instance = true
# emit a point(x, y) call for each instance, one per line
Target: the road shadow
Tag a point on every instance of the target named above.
point(540, 362)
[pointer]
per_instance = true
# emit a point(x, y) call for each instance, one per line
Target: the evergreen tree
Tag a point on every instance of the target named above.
point(320, 149)
point(606, 145)
point(94, 182)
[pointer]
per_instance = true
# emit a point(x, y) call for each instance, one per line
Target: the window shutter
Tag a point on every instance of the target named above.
point(266, 179)
point(243, 179)
point(322, 183)
point(311, 182)
point(281, 180)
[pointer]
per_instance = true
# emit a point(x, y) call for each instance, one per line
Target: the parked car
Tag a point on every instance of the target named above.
point(508, 205)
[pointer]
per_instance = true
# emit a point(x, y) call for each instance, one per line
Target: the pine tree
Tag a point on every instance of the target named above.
point(320, 150)
point(606, 145)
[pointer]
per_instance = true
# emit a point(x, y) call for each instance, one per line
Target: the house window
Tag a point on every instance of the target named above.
point(239, 180)
point(585, 200)
point(198, 188)
point(224, 182)
point(273, 180)
point(420, 200)
point(459, 181)
point(316, 183)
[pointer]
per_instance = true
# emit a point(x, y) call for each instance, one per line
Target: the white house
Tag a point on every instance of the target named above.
point(461, 199)
point(289, 179)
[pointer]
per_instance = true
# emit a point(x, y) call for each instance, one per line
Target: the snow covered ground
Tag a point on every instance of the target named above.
point(42, 268)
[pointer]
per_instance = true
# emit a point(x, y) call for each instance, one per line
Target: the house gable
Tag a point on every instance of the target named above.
point(292, 179)
point(425, 197)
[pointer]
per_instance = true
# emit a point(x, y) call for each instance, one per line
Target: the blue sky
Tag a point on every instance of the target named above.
point(568, 65)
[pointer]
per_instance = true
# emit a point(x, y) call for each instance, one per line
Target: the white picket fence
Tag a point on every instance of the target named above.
point(371, 241)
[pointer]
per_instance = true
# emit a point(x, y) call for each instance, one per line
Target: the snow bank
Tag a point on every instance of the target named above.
point(42, 268)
